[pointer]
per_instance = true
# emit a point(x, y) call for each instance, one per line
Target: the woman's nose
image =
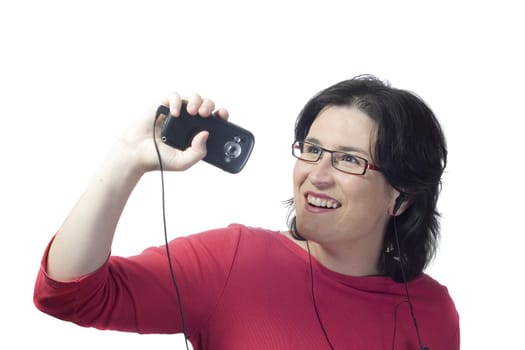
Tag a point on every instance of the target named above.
point(321, 174)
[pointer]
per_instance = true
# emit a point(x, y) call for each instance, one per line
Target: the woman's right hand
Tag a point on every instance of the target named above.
point(138, 142)
point(84, 240)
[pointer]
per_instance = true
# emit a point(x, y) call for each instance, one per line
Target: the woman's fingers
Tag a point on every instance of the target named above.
point(222, 113)
point(194, 101)
point(195, 104)
point(206, 108)
point(174, 103)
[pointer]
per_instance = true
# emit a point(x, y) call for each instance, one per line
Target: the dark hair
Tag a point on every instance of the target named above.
point(410, 149)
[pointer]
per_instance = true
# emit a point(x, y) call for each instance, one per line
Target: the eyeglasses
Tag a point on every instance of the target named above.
point(345, 162)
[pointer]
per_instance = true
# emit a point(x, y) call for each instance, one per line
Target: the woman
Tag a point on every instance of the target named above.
point(348, 274)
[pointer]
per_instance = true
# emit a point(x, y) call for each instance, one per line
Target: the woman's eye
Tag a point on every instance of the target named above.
point(312, 149)
point(350, 159)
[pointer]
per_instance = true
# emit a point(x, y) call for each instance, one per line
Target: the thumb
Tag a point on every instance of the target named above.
point(198, 144)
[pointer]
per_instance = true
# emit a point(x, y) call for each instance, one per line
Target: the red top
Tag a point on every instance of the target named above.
point(248, 288)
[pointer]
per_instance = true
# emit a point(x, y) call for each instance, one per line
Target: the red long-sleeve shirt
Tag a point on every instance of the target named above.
point(247, 288)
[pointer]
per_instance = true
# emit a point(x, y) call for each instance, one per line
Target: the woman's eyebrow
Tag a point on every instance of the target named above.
point(339, 148)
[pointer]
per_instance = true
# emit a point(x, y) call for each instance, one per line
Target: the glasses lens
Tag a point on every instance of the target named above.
point(349, 163)
point(306, 151)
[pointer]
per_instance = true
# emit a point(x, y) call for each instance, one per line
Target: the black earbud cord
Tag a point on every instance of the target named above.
point(395, 311)
point(162, 110)
point(412, 313)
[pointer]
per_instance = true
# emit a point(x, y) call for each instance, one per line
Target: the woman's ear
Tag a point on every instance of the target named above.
point(402, 202)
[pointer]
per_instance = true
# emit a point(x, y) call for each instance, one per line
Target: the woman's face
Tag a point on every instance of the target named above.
point(335, 208)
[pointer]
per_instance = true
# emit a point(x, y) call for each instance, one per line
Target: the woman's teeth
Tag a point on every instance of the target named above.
point(323, 203)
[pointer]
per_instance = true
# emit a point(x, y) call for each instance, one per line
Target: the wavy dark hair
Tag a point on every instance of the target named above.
point(410, 149)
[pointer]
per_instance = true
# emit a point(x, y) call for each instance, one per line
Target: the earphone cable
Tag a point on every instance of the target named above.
point(172, 273)
point(405, 283)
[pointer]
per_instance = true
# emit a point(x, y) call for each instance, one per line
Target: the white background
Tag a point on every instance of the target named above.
point(74, 73)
